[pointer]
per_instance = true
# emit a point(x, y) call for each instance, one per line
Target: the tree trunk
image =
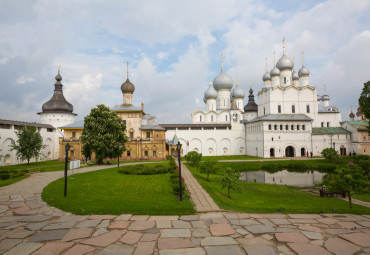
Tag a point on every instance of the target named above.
point(350, 199)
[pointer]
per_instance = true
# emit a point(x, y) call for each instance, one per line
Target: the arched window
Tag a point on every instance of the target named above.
point(275, 127)
point(293, 108)
point(281, 127)
point(226, 117)
point(303, 127)
point(292, 127)
point(297, 127)
point(269, 126)
point(211, 118)
point(286, 127)
point(200, 118)
point(308, 108)
point(279, 108)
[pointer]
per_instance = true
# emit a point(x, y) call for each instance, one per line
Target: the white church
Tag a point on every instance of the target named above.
point(290, 119)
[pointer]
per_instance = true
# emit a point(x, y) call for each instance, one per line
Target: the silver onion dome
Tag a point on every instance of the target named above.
point(239, 92)
point(210, 93)
point(285, 63)
point(275, 72)
point(266, 76)
point(303, 71)
point(295, 76)
point(204, 100)
point(223, 81)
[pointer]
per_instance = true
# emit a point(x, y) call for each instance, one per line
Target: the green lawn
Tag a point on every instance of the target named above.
point(50, 165)
point(109, 192)
point(268, 198)
point(362, 197)
point(234, 157)
point(14, 180)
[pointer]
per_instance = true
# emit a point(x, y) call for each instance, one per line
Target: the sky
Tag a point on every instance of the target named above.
point(174, 49)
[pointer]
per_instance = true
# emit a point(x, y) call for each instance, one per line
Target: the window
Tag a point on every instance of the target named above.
point(292, 127)
point(275, 127)
point(72, 153)
point(124, 122)
point(264, 111)
point(297, 127)
point(128, 153)
point(270, 127)
point(308, 108)
point(132, 135)
point(286, 127)
point(154, 154)
point(146, 153)
point(279, 108)
point(284, 80)
point(147, 134)
point(303, 127)
point(212, 118)
point(272, 139)
point(281, 127)
point(200, 118)
point(293, 108)
point(226, 117)
point(73, 134)
point(328, 124)
point(322, 124)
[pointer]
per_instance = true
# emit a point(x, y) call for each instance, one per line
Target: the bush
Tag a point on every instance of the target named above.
point(272, 167)
point(5, 175)
point(147, 169)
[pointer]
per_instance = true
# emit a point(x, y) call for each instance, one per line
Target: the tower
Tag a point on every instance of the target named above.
point(127, 89)
point(223, 85)
point(303, 73)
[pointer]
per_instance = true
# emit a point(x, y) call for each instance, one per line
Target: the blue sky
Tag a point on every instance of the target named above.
point(173, 48)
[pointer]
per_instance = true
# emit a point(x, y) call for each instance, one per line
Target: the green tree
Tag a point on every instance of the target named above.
point(230, 180)
point(29, 144)
point(330, 154)
point(364, 102)
point(349, 179)
point(208, 166)
point(194, 158)
point(103, 130)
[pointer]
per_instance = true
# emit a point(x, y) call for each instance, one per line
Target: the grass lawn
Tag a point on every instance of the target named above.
point(362, 197)
point(14, 180)
point(234, 157)
point(268, 198)
point(50, 165)
point(109, 192)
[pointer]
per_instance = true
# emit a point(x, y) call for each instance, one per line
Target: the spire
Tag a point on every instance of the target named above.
point(283, 45)
point(324, 89)
point(302, 58)
point(210, 83)
point(127, 69)
point(274, 59)
point(267, 67)
point(222, 61)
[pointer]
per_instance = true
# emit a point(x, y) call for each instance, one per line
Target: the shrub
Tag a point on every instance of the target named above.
point(272, 167)
point(146, 169)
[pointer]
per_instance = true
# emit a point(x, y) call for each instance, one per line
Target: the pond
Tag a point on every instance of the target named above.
point(284, 177)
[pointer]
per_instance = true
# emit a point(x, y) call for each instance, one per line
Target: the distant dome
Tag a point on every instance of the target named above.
point(204, 100)
point(285, 63)
point(127, 87)
point(266, 76)
point(303, 71)
point(223, 81)
point(210, 93)
point(295, 76)
point(275, 72)
point(351, 115)
point(359, 111)
point(239, 92)
point(251, 106)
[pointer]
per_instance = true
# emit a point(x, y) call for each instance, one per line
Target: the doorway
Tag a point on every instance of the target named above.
point(289, 151)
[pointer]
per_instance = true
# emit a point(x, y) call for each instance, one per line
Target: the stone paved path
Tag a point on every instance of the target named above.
point(29, 226)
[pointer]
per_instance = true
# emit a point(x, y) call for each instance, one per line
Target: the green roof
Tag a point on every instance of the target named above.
point(360, 125)
point(330, 131)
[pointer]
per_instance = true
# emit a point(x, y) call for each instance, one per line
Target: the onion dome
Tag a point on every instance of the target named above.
point(275, 72)
point(266, 76)
point(127, 87)
point(295, 76)
point(58, 103)
point(223, 81)
point(239, 92)
point(359, 111)
point(204, 100)
point(351, 115)
point(210, 93)
point(303, 71)
point(251, 106)
point(285, 63)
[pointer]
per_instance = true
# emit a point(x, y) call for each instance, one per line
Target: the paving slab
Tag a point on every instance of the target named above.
point(24, 249)
point(174, 243)
point(139, 217)
point(280, 221)
point(313, 235)
point(328, 221)
point(201, 232)
point(115, 249)
point(105, 239)
point(62, 225)
point(180, 224)
point(79, 249)
point(145, 248)
point(361, 239)
point(3, 208)
point(254, 241)
point(68, 218)
point(176, 233)
point(35, 218)
point(163, 217)
point(308, 249)
point(53, 248)
point(77, 233)
point(220, 221)
point(221, 229)
point(102, 217)
point(188, 251)
point(149, 237)
point(303, 221)
point(48, 235)
point(141, 225)
point(163, 224)
point(88, 223)
point(124, 217)
point(340, 246)
point(260, 229)
point(210, 241)
point(19, 233)
point(36, 226)
point(284, 250)
point(7, 244)
point(198, 224)
point(305, 216)
point(337, 231)
point(311, 228)
point(211, 215)
point(259, 250)
point(131, 237)
point(119, 224)
point(248, 222)
point(226, 249)
point(189, 217)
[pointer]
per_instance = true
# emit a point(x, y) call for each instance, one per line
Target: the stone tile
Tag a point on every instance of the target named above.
point(7, 244)
point(68, 218)
point(267, 237)
point(79, 249)
point(16, 225)
point(100, 231)
point(310, 228)
point(11, 218)
point(201, 232)
point(291, 237)
point(139, 217)
point(36, 226)
point(258, 250)
point(102, 217)
point(327, 221)
point(144, 248)
point(221, 230)
point(361, 239)
point(210, 241)
point(275, 216)
point(149, 237)
point(302, 221)
point(36, 218)
point(341, 247)
point(226, 249)
point(24, 211)
point(3, 208)
point(152, 231)
point(24, 249)
point(175, 233)
point(77, 233)
point(308, 249)
point(348, 225)
point(280, 221)
point(196, 240)
point(242, 231)
point(119, 224)
point(231, 216)
point(163, 224)
point(103, 224)
point(105, 239)
point(284, 230)
point(220, 221)
point(189, 217)
point(248, 222)
point(131, 237)
point(17, 205)
point(305, 216)
point(260, 229)
point(163, 217)
point(48, 235)
point(249, 215)
point(337, 231)
point(284, 250)
point(188, 251)
point(198, 224)
point(364, 223)
point(53, 248)
point(88, 223)
point(174, 243)
point(312, 235)
point(114, 249)
point(211, 215)
point(180, 224)
point(19, 233)
point(141, 225)
point(124, 217)
point(266, 222)
point(62, 225)
point(254, 241)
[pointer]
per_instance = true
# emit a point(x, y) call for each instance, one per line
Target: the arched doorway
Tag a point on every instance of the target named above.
point(210, 151)
point(289, 151)
point(303, 152)
point(343, 151)
point(225, 151)
point(272, 152)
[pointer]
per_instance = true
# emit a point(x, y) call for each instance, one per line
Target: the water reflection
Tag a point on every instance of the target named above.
point(307, 179)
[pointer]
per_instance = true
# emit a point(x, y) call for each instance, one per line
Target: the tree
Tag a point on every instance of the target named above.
point(364, 102)
point(230, 180)
point(194, 158)
point(103, 130)
point(208, 167)
point(349, 179)
point(29, 144)
point(330, 154)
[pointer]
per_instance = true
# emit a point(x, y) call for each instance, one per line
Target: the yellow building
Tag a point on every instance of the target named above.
point(146, 139)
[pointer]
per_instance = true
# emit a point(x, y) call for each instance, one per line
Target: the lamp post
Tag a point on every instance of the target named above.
point(65, 169)
point(334, 145)
point(180, 179)
point(118, 153)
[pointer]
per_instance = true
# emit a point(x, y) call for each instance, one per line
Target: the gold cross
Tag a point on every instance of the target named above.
point(222, 60)
point(302, 58)
point(283, 44)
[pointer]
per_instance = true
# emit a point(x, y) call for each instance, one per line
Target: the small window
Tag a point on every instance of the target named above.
point(132, 135)
point(73, 134)
point(264, 111)
point(292, 127)
point(124, 122)
point(72, 153)
point(269, 126)
point(226, 117)
point(275, 127)
point(146, 153)
point(293, 108)
point(303, 127)
point(200, 118)
point(279, 108)
point(272, 139)
point(147, 134)
point(154, 154)
point(211, 118)
point(322, 124)
point(297, 127)
point(281, 127)
point(308, 108)
point(128, 153)
point(286, 127)
point(284, 80)
point(328, 124)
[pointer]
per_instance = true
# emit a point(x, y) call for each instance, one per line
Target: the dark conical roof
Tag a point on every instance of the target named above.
point(57, 103)
point(251, 106)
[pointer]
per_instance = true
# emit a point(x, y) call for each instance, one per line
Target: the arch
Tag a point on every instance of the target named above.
point(272, 152)
point(48, 149)
point(241, 150)
point(225, 144)
point(342, 150)
point(211, 147)
point(303, 152)
point(225, 151)
point(238, 143)
point(195, 143)
point(289, 151)
point(7, 159)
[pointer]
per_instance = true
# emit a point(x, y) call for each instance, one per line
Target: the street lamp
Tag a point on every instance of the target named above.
point(180, 179)
point(118, 153)
point(68, 147)
point(334, 145)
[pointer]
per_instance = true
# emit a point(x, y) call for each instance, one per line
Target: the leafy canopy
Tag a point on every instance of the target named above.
point(364, 102)
point(330, 154)
point(194, 158)
point(230, 180)
point(103, 131)
point(29, 144)
point(208, 166)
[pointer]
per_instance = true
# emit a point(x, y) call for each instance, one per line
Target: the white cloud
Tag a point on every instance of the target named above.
point(22, 80)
